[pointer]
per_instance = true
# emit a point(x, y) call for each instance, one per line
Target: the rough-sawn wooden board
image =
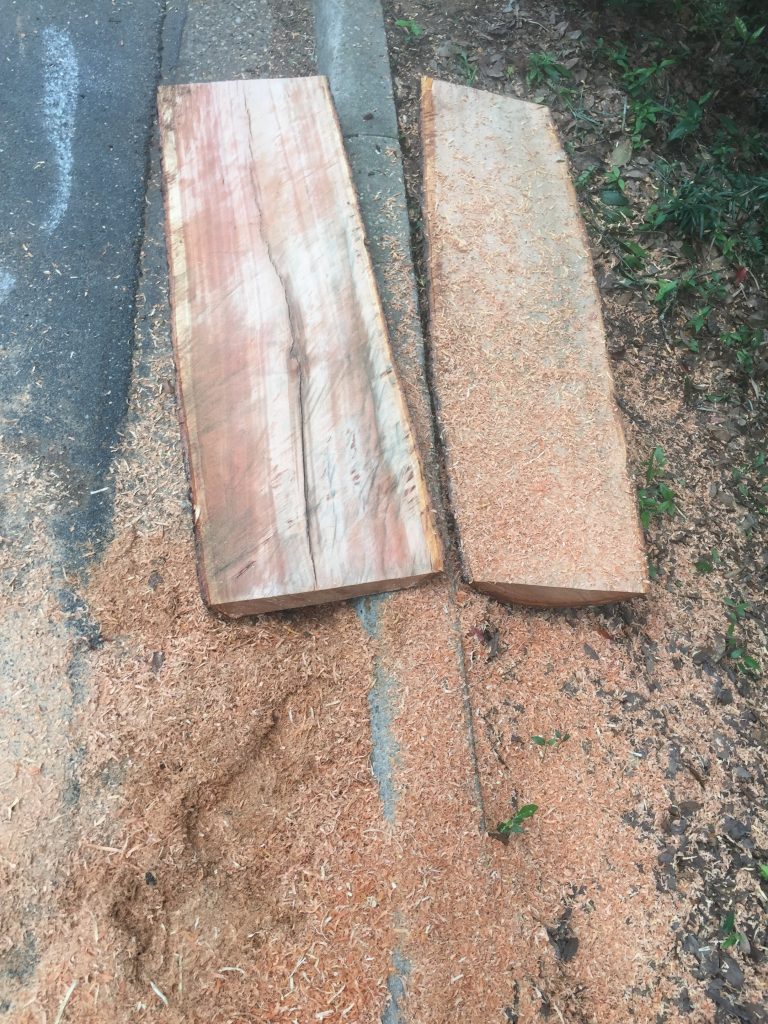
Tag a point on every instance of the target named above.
point(306, 483)
point(534, 447)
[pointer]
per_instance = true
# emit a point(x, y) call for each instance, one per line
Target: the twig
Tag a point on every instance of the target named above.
point(64, 1001)
point(160, 995)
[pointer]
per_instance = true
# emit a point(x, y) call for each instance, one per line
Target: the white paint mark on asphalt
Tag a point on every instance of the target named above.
point(7, 283)
point(59, 104)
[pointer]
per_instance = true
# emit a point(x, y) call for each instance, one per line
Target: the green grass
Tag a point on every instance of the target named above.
point(691, 77)
point(468, 68)
point(717, 204)
point(750, 481)
point(744, 344)
point(656, 500)
point(669, 114)
point(709, 562)
point(736, 651)
point(543, 69)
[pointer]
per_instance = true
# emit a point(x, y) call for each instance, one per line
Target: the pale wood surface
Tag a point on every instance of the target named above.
point(306, 482)
point(535, 450)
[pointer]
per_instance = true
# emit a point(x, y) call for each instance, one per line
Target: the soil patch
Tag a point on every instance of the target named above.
point(651, 828)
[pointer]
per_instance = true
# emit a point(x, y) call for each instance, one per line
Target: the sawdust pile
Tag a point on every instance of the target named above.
point(232, 844)
point(228, 854)
point(564, 918)
point(40, 689)
point(231, 854)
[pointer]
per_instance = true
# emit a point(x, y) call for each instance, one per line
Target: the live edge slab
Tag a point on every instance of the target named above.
point(306, 482)
point(534, 446)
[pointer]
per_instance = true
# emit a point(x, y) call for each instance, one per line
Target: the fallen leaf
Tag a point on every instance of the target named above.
point(447, 50)
point(622, 153)
point(612, 197)
point(494, 65)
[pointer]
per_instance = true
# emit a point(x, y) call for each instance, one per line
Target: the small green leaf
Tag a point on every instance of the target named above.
point(612, 197)
point(764, 872)
point(656, 463)
point(585, 177)
point(698, 320)
point(732, 939)
point(514, 825)
point(410, 27)
point(708, 563)
point(557, 737)
point(750, 664)
point(635, 249)
point(666, 289)
point(729, 922)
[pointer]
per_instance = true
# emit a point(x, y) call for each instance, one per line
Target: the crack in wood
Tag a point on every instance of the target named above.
point(295, 352)
point(305, 472)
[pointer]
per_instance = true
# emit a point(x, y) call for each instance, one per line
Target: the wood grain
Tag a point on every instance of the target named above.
point(534, 446)
point(306, 483)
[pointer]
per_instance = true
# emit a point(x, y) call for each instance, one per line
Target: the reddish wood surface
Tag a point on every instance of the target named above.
point(306, 482)
point(535, 450)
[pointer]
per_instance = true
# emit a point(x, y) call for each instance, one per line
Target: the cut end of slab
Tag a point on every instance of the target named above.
point(286, 602)
point(555, 597)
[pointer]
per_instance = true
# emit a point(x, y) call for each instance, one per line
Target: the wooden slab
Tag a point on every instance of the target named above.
point(535, 450)
point(306, 483)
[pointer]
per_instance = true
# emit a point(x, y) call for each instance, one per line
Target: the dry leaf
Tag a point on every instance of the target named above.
point(621, 154)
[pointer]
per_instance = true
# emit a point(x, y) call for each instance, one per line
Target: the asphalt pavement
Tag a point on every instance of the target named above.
point(78, 85)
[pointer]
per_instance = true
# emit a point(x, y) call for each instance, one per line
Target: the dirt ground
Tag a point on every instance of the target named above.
point(219, 850)
point(663, 774)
